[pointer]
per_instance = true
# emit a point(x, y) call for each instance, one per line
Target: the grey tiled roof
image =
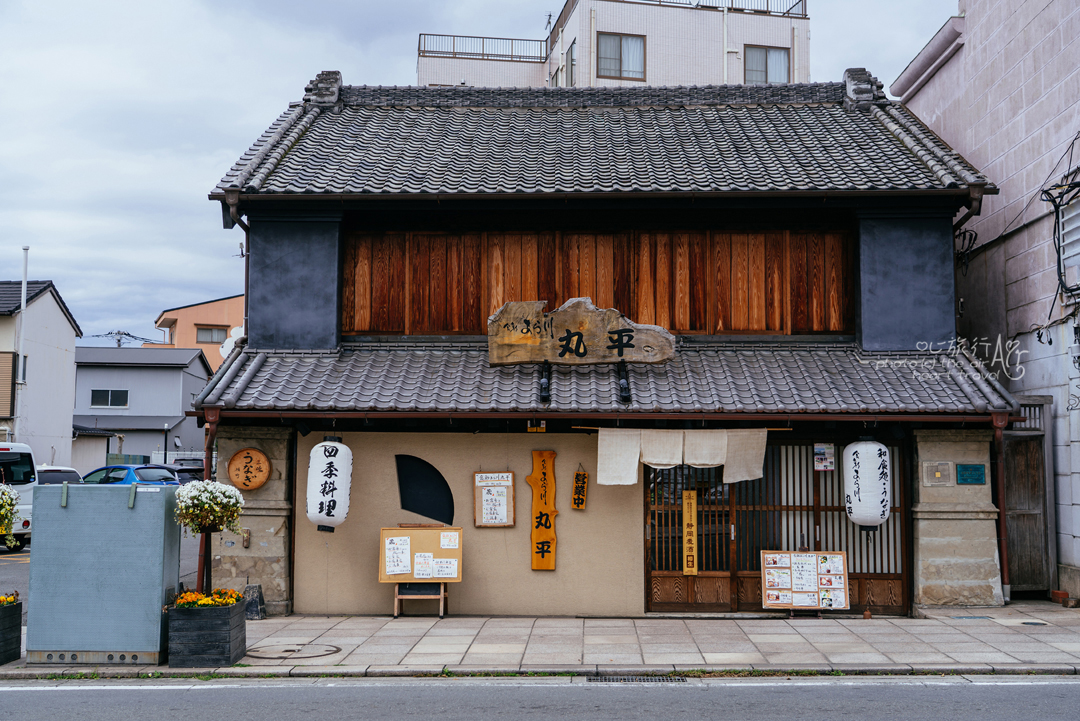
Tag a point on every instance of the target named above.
point(414, 140)
point(11, 298)
point(719, 378)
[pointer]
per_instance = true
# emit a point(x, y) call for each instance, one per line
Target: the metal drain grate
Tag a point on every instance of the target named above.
point(972, 618)
point(637, 679)
point(1033, 623)
point(293, 651)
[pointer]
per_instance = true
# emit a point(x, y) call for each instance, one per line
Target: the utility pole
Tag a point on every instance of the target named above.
point(20, 359)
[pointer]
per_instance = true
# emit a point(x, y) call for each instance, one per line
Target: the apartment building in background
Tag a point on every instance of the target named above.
point(1000, 83)
point(202, 326)
point(629, 43)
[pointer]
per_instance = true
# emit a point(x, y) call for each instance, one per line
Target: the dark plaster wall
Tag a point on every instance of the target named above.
point(294, 271)
point(906, 283)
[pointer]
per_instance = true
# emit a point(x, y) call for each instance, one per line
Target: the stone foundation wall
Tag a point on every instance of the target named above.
point(1069, 579)
point(955, 526)
point(267, 516)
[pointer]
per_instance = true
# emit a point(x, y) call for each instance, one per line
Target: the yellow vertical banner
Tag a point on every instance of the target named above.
point(542, 480)
point(581, 489)
point(689, 533)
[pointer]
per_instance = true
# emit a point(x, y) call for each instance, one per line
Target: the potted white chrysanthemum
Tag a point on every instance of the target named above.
point(9, 502)
point(208, 507)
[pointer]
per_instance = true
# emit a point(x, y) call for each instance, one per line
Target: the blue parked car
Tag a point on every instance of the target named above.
point(128, 474)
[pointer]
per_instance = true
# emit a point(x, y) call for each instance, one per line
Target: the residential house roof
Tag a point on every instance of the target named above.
point(105, 356)
point(703, 377)
point(796, 138)
point(11, 298)
point(127, 423)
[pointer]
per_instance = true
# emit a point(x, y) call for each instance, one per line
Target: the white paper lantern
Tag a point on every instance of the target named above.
point(328, 483)
point(867, 484)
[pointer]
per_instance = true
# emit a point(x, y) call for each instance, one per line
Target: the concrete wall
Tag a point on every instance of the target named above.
point(600, 552)
point(293, 283)
point(1009, 101)
point(88, 453)
point(45, 402)
point(683, 46)
point(906, 282)
point(955, 533)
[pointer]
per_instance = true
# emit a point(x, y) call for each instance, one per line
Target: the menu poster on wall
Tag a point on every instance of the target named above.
point(397, 556)
point(448, 539)
point(790, 579)
point(493, 500)
point(493, 504)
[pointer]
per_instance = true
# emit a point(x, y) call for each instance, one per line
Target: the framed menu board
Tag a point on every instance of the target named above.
point(812, 581)
point(493, 500)
point(428, 554)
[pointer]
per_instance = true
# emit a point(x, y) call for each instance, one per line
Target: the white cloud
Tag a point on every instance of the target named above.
point(120, 117)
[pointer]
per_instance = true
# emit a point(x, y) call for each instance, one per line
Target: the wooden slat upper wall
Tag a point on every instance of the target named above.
point(691, 282)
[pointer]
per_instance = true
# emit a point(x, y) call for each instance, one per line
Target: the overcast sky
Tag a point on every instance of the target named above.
point(119, 117)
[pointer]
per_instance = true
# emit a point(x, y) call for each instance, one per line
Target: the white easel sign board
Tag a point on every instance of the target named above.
point(493, 500)
point(805, 580)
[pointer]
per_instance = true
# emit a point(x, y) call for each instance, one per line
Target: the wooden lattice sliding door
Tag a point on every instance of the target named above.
point(790, 507)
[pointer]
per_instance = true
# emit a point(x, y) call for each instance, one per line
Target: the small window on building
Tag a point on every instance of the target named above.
point(210, 335)
point(571, 65)
point(108, 399)
point(766, 66)
point(620, 56)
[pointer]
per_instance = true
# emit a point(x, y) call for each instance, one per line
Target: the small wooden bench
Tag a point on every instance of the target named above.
point(422, 591)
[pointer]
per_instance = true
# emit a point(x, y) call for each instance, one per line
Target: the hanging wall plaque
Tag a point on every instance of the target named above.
point(581, 490)
point(249, 469)
point(689, 533)
point(542, 521)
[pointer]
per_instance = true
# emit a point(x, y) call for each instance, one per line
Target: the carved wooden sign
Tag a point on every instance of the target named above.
point(690, 530)
point(249, 468)
point(542, 480)
point(577, 333)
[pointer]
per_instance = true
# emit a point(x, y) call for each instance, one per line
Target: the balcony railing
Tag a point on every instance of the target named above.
point(458, 46)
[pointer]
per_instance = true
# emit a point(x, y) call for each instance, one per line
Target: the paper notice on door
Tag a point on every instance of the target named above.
point(804, 599)
point(448, 539)
point(422, 565)
point(445, 567)
point(398, 556)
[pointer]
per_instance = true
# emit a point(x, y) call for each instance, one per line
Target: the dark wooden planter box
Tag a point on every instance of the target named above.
point(10, 632)
point(207, 637)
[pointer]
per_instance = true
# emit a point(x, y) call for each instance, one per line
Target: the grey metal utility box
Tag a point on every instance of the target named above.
point(103, 565)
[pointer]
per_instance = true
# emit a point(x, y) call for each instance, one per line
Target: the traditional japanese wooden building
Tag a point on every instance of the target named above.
point(797, 240)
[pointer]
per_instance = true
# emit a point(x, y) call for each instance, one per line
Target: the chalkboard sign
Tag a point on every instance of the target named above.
point(493, 500)
point(970, 475)
point(430, 555)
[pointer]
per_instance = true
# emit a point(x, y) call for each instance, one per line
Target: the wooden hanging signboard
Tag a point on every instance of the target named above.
point(427, 555)
point(581, 490)
point(810, 581)
point(689, 533)
point(576, 333)
point(249, 469)
point(493, 500)
point(542, 521)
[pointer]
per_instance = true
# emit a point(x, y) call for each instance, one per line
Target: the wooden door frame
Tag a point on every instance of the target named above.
point(1045, 429)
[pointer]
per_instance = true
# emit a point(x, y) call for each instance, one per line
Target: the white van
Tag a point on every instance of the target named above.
point(17, 469)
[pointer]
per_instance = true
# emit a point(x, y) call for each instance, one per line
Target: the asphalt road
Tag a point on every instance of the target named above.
point(955, 699)
point(15, 568)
